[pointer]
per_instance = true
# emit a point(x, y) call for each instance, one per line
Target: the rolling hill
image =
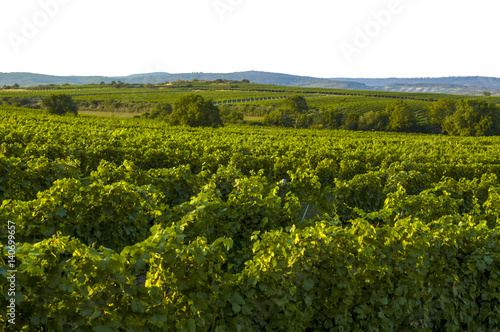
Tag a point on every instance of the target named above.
point(456, 85)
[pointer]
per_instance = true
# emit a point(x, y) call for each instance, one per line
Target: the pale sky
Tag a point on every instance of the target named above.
point(320, 38)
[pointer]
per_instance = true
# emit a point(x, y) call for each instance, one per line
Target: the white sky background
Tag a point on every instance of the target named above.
point(420, 38)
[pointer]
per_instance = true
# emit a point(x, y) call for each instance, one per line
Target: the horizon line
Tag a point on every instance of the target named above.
point(249, 71)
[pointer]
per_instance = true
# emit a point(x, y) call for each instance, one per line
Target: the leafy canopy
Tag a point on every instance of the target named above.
point(401, 117)
point(296, 106)
point(194, 111)
point(473, 117)
point(59, 103)
point(438, 111)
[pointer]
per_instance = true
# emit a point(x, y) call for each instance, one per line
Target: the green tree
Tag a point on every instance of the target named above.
point(161, 111)
point(193, 110)
point(231, 115)
point(352, 121)
point(401, 117)
point(304, 121)
point(278, 117)
point(296, 106)
point(59, 103)
point(331, 118)
point(374, 121)
point(473, 117)
point(438, 111)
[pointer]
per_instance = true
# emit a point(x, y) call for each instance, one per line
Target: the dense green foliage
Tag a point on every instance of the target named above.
point(293, 113)
point(131, 225)
point(192, 110)
point(59, 103)
point(473, 118)
point(438, 112)
point(296, 106)
point(401, 117)
point(161, 112)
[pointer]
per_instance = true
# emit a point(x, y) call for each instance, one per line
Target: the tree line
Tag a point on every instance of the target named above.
point(466, 117)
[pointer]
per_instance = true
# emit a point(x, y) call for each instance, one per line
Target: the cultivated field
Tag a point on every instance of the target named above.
point(131, 224)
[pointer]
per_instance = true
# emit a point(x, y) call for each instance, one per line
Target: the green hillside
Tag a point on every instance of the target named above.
point(448, 85)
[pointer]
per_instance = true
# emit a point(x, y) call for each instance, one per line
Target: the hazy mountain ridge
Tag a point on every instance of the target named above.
point(455, 85)
point(477, 81)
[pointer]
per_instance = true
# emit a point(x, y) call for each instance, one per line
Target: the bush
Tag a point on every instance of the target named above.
point(59, 103)
point(401, 117)
point(374, 121)
point(194, 111)
point(473, 118)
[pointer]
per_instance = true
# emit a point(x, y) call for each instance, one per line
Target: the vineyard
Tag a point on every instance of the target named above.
point(257, 104)
point(236, 92)
point(134, 225)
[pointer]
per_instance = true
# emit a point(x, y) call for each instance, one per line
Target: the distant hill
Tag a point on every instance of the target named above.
point(29, 79)
point(478, 81)
point(455, 85)
point(466, 85)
